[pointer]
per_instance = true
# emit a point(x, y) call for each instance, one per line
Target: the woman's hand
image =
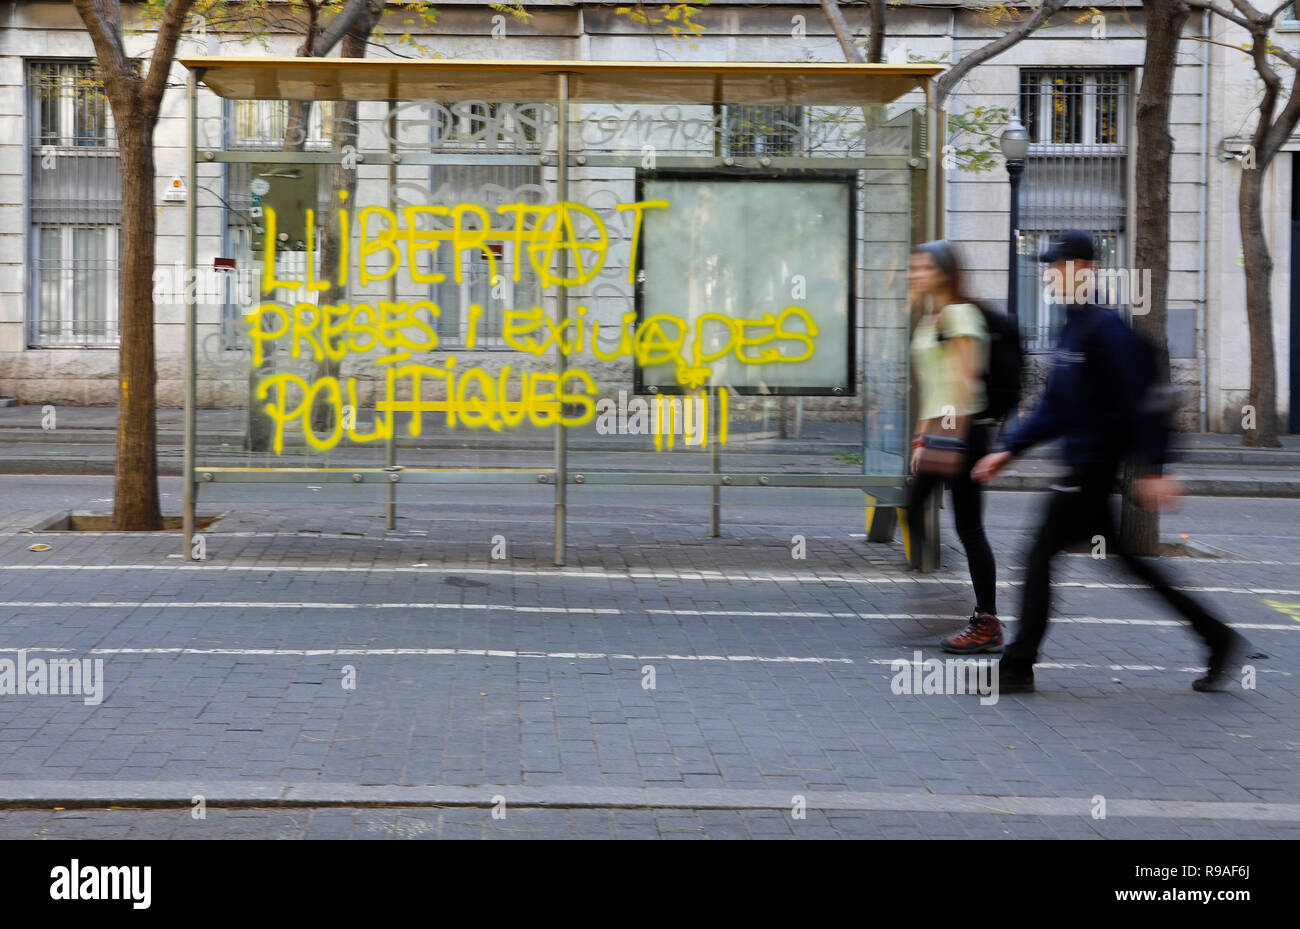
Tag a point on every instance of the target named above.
point(916, 459)
point(990, 466)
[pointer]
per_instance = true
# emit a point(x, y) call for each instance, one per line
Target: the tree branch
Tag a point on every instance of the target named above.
point(164, 51)
point(338, 27)
point(953, 76)
point(103, 19)
point(1220, 11)
point(835, 16)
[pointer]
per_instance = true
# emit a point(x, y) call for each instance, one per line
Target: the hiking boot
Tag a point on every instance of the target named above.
point(1223, 659)
point(982, 634)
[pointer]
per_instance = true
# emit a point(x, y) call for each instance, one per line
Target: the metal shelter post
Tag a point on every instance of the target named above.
point(935, 139)
point(390, 445)
point(715, 464)
point(191, 306)
point(561, 315)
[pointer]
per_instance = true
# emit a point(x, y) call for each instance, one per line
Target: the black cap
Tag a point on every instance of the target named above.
point(1074, 245)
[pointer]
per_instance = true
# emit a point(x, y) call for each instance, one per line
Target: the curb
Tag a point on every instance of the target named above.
point(1195, 487)
point(264, 794)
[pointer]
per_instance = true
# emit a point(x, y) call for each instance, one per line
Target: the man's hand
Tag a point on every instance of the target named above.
point(990, 466)
point(1158, 493)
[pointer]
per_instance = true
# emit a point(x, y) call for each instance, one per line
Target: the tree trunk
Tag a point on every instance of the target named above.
point(296, 126)
point(343, 189)
point(876, 43)
point(1140, 528)
point(1259, 311)
point(135, 489)
point(135, 101)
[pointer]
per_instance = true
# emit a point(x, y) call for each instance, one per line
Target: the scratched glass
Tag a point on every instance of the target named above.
point(722, 290)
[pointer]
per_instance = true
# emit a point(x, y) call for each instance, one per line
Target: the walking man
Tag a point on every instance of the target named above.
point(1094, 401)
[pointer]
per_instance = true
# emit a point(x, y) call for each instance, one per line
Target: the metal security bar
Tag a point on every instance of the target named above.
point(76, 208)
point(763, 130)
point(1075, 178)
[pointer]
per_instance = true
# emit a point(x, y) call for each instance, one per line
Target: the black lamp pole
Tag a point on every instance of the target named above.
point(1015, 148)
point(1014, 143)
point(1014, 170)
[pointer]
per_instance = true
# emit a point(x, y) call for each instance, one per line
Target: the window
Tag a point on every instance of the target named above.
point(488, 186)
point(1073, 107)
point(265, 123)
point(1075, 178)
point(762, 130)
point(492, 125)
point(75, 209)
point(480, 125)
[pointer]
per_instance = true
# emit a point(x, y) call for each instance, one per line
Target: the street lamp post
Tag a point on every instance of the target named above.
point(1015, 147)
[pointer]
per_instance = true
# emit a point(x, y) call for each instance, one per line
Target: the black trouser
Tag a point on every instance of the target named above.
point(1079, 509)
point(967, 513)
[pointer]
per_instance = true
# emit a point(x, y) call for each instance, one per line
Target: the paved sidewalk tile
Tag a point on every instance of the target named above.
point(657, 658)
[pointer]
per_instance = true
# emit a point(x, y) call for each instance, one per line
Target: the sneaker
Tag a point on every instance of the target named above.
point(1221, 662)
point(982, 634)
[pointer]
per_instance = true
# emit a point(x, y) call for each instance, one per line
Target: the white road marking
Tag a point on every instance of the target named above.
point(571, 656)
point(290, 605)
point(571, 610)
point(436, 652)
point(600, 574)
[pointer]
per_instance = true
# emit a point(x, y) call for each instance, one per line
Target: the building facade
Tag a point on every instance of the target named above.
point(1073, 85)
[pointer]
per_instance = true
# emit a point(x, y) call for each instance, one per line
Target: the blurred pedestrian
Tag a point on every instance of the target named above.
point(950, 352)
point(1099, 398)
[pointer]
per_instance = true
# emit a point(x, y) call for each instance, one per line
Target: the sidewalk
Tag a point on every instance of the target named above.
point(706, 683)
point(84, 439)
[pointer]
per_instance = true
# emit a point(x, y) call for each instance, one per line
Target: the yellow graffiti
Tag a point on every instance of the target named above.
point(668, 339)
point(566, 244)
point(472, 398)
point(541, 232)
point(667, 410)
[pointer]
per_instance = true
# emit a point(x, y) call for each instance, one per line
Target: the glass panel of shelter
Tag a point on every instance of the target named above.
point(479, 177)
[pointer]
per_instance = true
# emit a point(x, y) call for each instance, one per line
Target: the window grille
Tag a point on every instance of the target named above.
point(1075, 178)
point(76, 208)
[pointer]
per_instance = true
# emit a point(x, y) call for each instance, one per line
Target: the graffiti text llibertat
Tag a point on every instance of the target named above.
point(388, 332)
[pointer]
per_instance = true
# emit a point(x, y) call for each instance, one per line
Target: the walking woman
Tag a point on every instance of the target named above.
point(950, 345)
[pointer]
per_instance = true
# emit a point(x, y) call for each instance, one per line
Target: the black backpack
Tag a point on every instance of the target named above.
point(1158, 399)
point(1002, 377)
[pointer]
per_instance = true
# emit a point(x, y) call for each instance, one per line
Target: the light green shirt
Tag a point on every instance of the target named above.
point(938, 367)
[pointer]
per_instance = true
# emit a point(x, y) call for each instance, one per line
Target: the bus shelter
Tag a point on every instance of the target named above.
point(413, 276)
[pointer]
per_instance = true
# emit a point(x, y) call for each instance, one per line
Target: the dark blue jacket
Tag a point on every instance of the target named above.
point(1095, 396)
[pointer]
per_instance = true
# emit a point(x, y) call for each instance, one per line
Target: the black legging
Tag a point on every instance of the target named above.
point(967, 511)
point(1079, 509)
